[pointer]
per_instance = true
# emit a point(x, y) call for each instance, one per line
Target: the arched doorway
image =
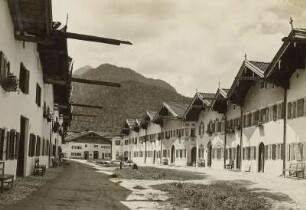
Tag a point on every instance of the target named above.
point(193, 156)
point(172, 154)
point(209, 150)
point(261, 157)
point(238, 155)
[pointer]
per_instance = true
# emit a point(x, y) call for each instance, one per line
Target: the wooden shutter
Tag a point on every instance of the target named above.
point(2, 135)
point(27, 82)
point(17, 145)
point(7, 145)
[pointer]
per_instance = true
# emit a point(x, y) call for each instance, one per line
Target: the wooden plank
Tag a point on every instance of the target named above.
point(249, 78)
point(32, 39)
point(95, 82)
point(93, 38)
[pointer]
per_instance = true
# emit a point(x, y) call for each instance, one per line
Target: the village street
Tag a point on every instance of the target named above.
point(87, 185)
point(79, 187)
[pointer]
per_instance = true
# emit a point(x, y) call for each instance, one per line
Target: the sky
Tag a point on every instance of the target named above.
point(191, 44)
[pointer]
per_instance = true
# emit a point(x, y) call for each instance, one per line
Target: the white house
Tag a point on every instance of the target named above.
point(88, 145)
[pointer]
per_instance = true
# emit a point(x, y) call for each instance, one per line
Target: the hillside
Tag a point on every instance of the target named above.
point(136, 95)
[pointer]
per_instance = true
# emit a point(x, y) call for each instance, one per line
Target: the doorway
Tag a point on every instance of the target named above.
point(238, 155)
point(261, 157)
point(24, 124)
point(86, 155)
point(193, 156)
point(102, 156)
point(172, 154)
point(209, 151)
point(96, 155)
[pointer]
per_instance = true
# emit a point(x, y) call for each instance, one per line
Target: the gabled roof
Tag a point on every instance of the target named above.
point(89, 137)
point(289, 57)
point(199, 101)
point(220, 102)
point(151, 114)
point(249, 72)
point(177, 110)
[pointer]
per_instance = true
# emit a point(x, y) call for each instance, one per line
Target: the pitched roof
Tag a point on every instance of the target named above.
point(177, 110)
point(263, 66)
point(151, 114)
point(293, 50)
point(77, 137)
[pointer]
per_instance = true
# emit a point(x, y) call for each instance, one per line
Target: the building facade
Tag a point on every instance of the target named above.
point(88, 146)
point(257, 125)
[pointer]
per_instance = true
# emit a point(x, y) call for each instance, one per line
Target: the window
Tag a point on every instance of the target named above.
point(24, 78)
point(11, 145)
point(256, 117)
point(263, 85)
point(273, 151)
point(37, 152)
point(274, 109)
point(300, 107)
point(4, 67)
point(32, 145)
point(280, 111)
point(38, 95)
point(96, 145)
point(289, 110)
point(294, 110)
point(164, 153)
point(192, 132)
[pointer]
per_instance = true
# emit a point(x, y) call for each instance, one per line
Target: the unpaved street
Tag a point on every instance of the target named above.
point(79, 187)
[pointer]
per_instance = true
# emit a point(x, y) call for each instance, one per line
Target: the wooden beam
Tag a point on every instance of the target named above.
point(90, 38)
point(249, 78)
point(84, 115)
point(95, 82)
point(32, 39)
point(87, 106)
point(55, 81)
point(48, 16)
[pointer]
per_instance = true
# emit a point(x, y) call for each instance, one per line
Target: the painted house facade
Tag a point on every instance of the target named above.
point(258, 125)
point(30, 121)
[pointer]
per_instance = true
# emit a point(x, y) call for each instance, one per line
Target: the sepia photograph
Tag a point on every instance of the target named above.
point(152, 104)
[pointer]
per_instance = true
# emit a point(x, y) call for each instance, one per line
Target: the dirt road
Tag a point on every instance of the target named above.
point(79, 187)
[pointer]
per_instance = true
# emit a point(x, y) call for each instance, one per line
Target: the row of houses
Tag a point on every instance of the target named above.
point(35, 84)
point(258, 124)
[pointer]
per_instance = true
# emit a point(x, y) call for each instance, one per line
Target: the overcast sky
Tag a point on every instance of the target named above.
point(192, 44)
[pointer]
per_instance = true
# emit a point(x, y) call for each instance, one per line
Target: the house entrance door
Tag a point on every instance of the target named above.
point(24, 124)
point(261, 157)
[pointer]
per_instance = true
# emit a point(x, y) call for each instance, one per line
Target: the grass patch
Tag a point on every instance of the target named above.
point(221, 195)
point(152, 173)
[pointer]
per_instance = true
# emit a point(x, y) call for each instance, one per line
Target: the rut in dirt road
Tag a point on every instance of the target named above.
point(79, 187)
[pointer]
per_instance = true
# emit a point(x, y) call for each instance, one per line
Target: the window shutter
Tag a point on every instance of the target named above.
point(2, 132)
point(17, 145)
point(27, 82)
point(7, 145)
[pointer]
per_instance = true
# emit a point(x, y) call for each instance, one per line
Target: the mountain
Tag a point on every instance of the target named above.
point(136, 95)
point(82, 70)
